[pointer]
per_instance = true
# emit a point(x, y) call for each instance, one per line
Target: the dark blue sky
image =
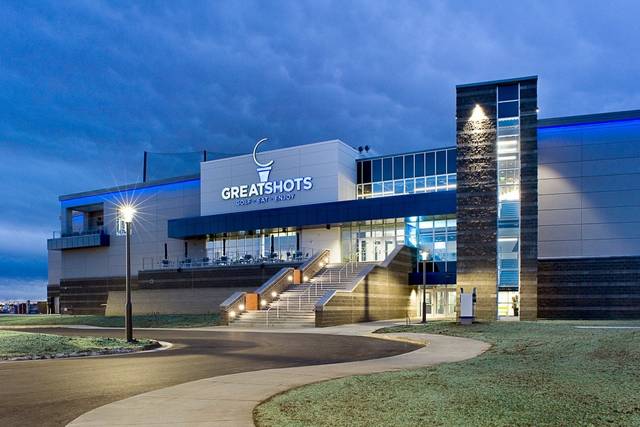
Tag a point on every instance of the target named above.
point(86, 87)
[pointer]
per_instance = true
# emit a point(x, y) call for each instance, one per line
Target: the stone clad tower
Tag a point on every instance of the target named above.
point(497, 196)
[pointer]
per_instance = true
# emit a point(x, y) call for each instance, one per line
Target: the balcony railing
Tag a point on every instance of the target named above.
point(76, 240)
point(292, 257)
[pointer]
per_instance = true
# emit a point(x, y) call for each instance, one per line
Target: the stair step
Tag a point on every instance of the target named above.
point(301, 299)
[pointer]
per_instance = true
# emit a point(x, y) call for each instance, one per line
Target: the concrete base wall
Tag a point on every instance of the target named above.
point(383, 294)
point(90, 295)
point(170, 301)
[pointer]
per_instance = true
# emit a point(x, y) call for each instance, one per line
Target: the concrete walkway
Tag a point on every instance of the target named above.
point(229, 400)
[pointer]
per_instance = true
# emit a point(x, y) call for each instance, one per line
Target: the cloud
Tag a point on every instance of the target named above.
point(12, 289)
point(20, 240)
point(86, 87)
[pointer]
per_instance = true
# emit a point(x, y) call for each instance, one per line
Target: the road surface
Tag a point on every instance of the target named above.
point(54, 392)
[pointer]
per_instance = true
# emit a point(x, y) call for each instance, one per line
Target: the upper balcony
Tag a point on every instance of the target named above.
point(82, 227)
point(76, 240)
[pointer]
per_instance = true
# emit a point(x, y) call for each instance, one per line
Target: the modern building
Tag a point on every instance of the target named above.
point(539, 218)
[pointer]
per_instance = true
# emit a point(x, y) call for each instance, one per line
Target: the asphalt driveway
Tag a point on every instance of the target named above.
point(54, 392)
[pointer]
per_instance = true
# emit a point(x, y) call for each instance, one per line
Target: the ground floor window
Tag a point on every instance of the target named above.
point(433, 236)
point(441, 301)
point(508, 303)
point(257, 245)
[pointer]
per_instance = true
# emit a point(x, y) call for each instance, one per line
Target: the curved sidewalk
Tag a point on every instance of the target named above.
point(229, 400)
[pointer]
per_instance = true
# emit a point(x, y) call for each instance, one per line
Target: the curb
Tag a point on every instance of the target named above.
point(164, 345)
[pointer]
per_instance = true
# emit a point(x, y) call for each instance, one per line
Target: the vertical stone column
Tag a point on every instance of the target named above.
point(476, 195)
point(477, 198)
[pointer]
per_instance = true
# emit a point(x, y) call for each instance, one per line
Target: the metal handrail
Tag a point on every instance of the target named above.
point(326, 277)
point(277, 306)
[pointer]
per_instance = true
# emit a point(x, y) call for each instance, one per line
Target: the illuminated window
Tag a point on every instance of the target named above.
point(508, 156)
point(411, 173)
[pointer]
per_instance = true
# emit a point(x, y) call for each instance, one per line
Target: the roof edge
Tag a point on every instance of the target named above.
point(128, 187)
point(589, 118)
point(495, 82)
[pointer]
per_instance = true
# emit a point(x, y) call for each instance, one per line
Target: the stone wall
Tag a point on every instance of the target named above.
point(477, 197)
point(589, 288)
point(383, 293)
point(477, 200)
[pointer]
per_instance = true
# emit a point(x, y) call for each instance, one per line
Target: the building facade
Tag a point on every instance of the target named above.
point(537, 217)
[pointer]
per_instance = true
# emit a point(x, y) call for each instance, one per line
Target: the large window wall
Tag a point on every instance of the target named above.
point(508, 255)
point(433, 236)
point(420, 172)
point(280, 245)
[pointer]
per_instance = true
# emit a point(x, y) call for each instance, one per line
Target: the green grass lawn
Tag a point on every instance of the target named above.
point(536, 373)
point(17, 344)
point(150, 321)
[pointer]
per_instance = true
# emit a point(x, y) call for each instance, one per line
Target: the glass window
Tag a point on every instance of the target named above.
point(420, 184)
point(408, 166)
point(426, 224)
point(388, 187)
point(419, 169)
point(387, 169)
point(430, 164)
point(441, 162)
point(398, 172)
point(451, 161)
point(508, 109)
point(377, 188)
point(399, 187)
point(359, 172)
point(431, 183)
point(440, 223)
point(507, 93)
point(366, 171)
point(376, 165)
point(409, 186)
point(441, 181)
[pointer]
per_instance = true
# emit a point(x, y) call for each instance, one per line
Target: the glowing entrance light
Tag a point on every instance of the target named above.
point(478, 114)
point(127, 212)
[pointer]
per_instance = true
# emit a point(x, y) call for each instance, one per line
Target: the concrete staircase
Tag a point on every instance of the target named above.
point(295, 307)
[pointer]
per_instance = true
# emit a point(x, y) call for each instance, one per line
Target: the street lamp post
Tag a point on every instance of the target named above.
point(424, 287)
point(128, 212)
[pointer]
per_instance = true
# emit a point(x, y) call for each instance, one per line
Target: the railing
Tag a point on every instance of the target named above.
point(315, 288)
point(98, 230)
point(157, 263)
point(330, 276)
point(233, 307)
point(86, 239)
point(359, 277)
point(273, 287)
point(314, 264)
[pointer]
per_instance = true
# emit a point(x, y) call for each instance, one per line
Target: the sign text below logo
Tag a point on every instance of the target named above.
point(266, 191)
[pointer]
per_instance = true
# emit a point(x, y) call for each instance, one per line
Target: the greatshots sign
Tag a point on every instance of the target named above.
point(266, 191)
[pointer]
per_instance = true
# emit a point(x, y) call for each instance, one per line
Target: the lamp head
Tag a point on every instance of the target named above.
point(127, 212)
point(478, 114)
